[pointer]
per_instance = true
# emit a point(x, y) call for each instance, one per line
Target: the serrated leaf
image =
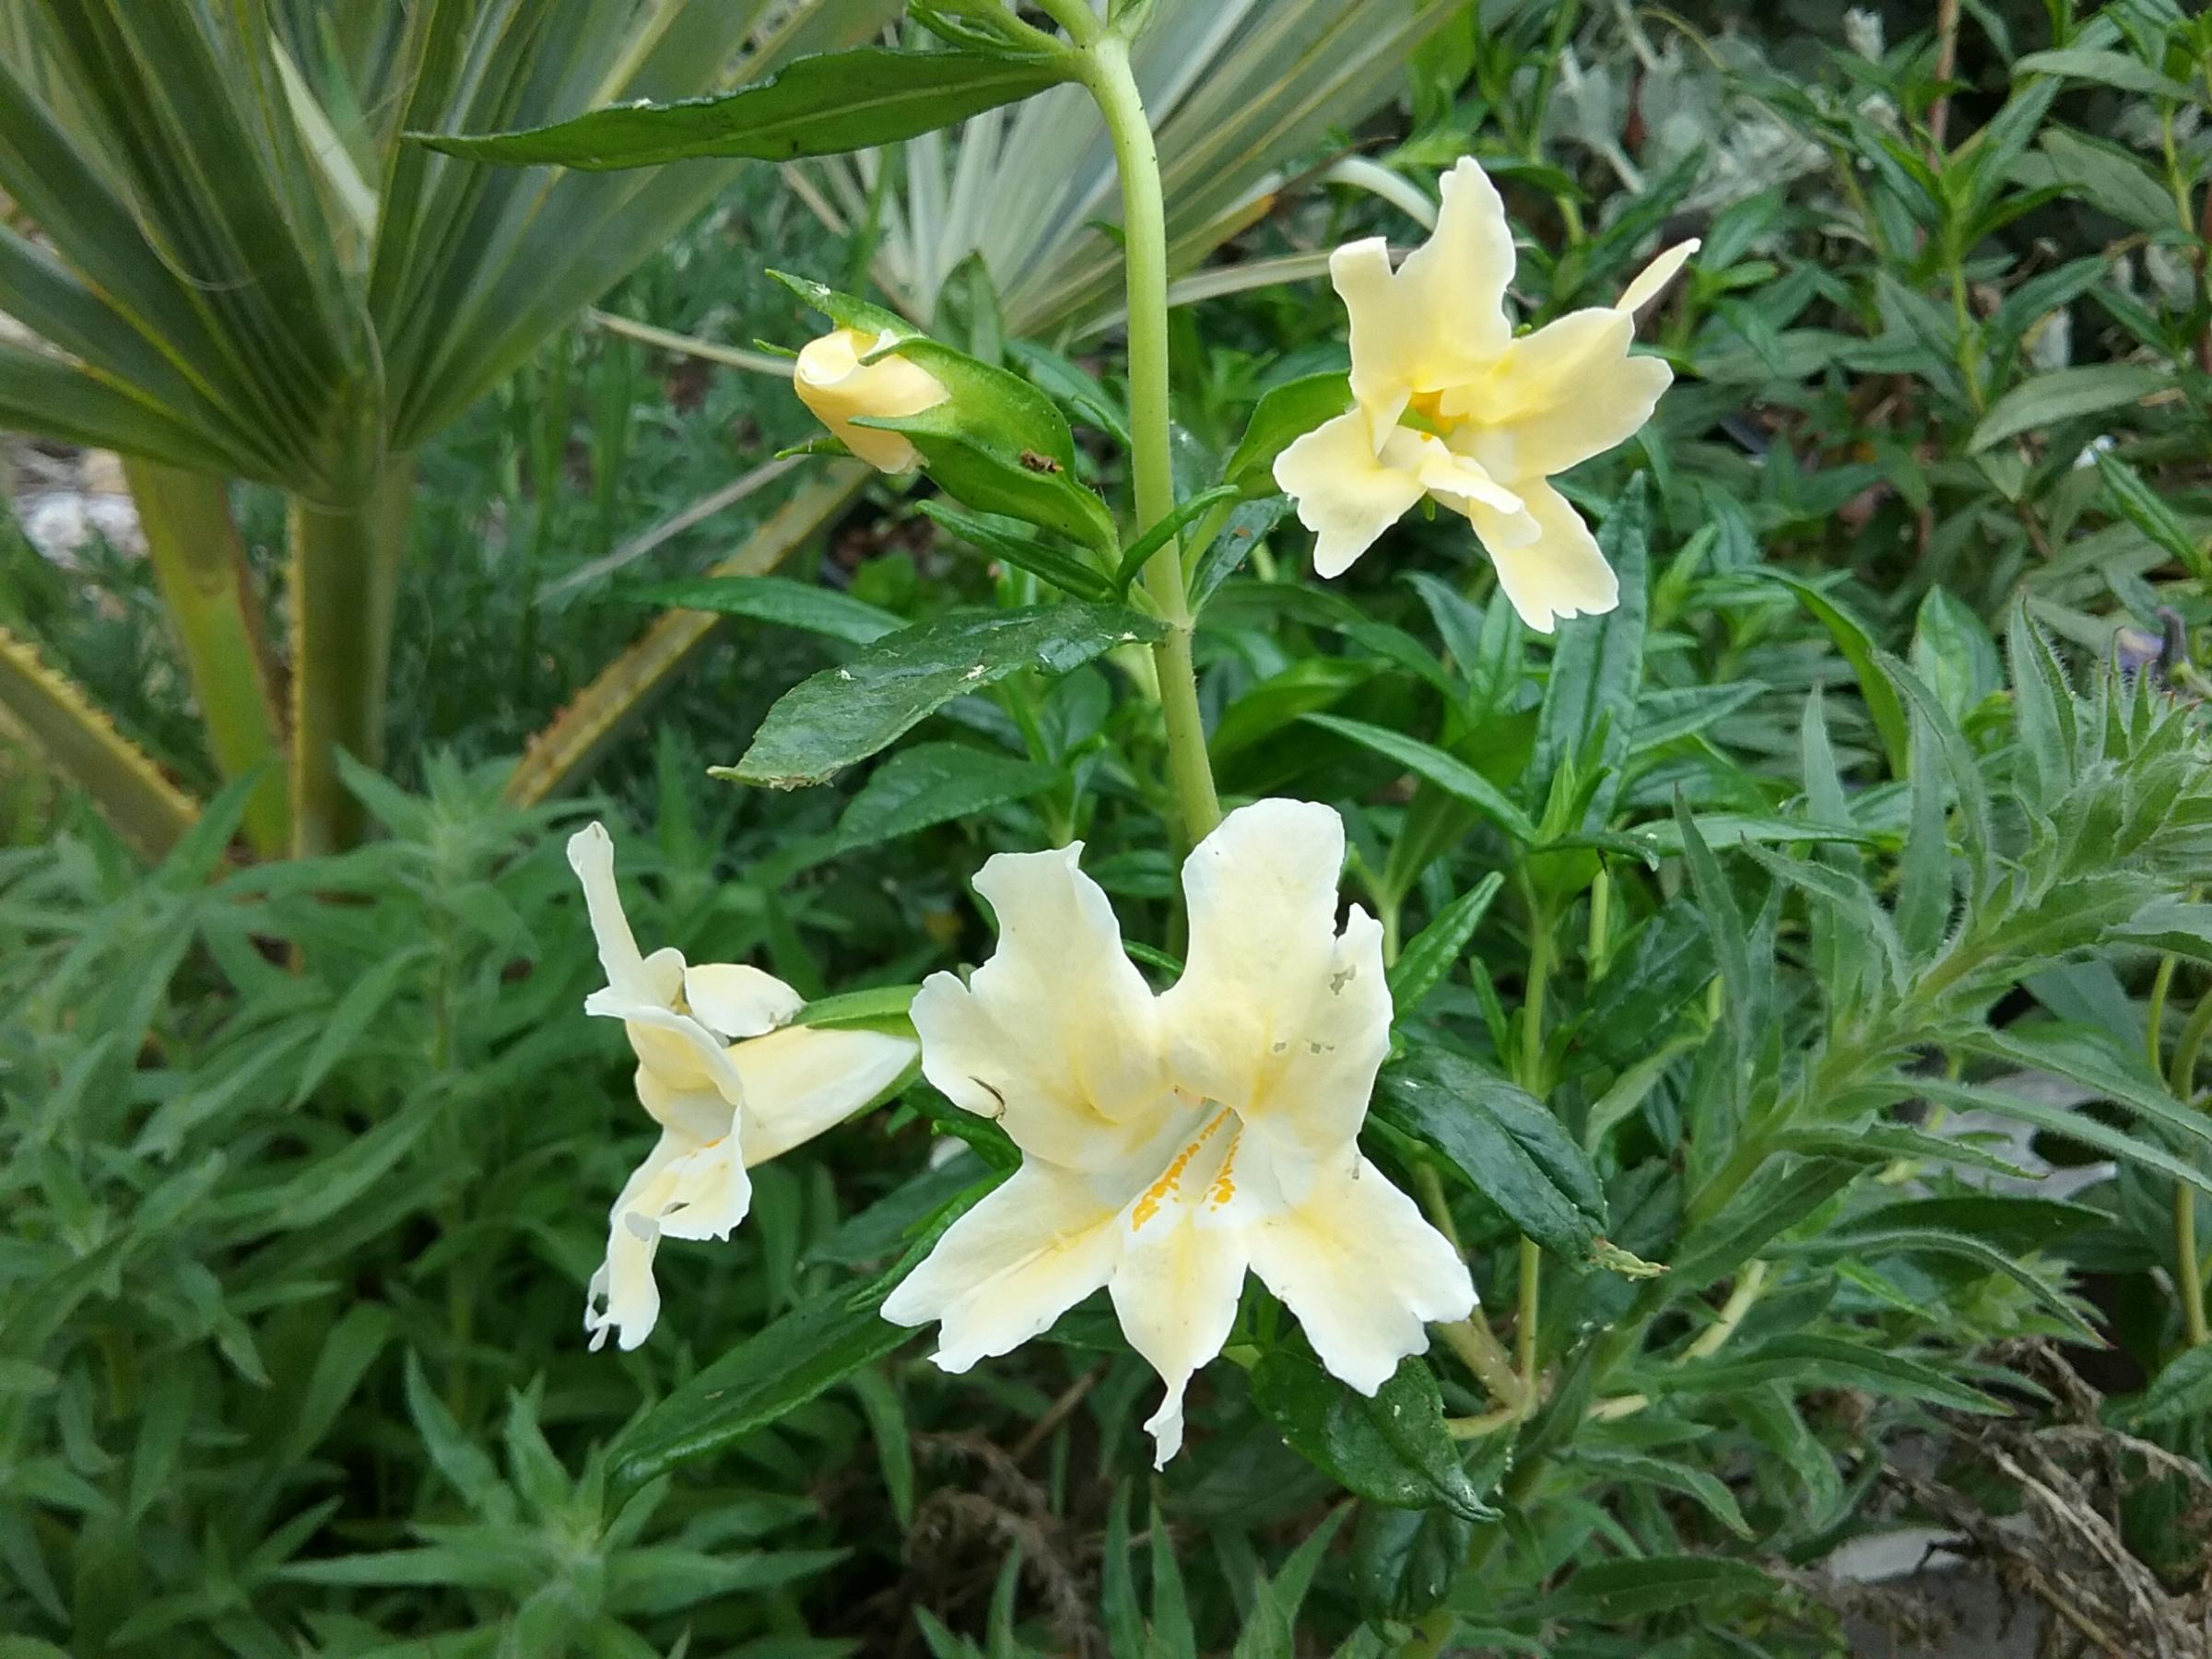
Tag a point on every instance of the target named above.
point(1502, 1140)
point(816, 106)
point(1621, 1591)
point(1643, 1470)
point(1391, 1449)
point(1425, 961)
point(1597, 665)
point(1809, 1361)
point(847, 713)
point(932, 783)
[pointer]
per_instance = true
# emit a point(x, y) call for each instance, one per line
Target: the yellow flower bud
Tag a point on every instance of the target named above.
point(833, 381)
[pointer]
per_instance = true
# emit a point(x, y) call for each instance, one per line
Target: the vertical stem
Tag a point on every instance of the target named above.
point(2188, 1270)
point(1525, 1323)
point(200, 565)
point(1532, 1079)
point(1104, 60)
point(345, 562)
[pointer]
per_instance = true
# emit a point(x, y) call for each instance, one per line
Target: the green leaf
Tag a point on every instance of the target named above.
point(2063, 394)
point(816, 106)
point(815, 1346)
point(1391, 1449)
point(1271, 1630)
point(1072, 386)
point(1424, 963)
point(998, 444)
point(1245, 528)
point(1619, 1591)
point(1885, 1143)
point(1283, 414)
point(1451, 775)
point(1855, 640)
point(1641, 1470)
point(801, 605)
point(2106, 176)
point(1812, 1362)
point(1771, 1205)
point(2142, 507)
point(1139, 552)
point(1404, 1562)
point(847, 713)
point(2075, 1125)
point(2116, 69)
point(933, 783)
point(1597, 665)
point(1063, 570)
point(1503, 1141)
point(2183, 1392)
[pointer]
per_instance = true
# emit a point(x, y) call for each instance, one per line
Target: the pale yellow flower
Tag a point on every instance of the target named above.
point(833, 381)
point(1448, 403)
point(722, 1105)
point(1173, 1142)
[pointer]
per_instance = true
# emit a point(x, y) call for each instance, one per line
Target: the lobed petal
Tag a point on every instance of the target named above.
point(1278, 1015)
point(1440, 316)
point(1180, 1272)
point(735, 1001)
point(1004, 1271)
point(800, 1081)
point(1058, 1036)
point(1347, 493)
point(1562, 395)
point(1353, 1257)
point(1562, 572)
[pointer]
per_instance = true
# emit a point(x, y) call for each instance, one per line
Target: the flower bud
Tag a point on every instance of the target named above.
point(833, 382)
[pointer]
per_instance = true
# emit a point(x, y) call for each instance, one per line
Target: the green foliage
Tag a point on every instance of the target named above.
point(1762, 951)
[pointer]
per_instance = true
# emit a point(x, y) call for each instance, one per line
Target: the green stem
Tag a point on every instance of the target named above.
point(199, 563)
point(345, 562)
point(1103, 66)
point(2188, 1271)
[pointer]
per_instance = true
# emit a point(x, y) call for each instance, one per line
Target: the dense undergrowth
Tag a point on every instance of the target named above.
point(1848, 940)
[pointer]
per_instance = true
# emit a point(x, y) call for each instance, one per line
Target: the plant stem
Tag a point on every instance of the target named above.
point(199, 561)
point(1525, 1323)
point(345, 559)
point(2188, 1270)
point(1104, 69)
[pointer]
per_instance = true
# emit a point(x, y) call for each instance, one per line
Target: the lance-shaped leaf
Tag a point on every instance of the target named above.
point(818, 106)
point(845, 714)
point(1391, 1449)
point(786, 1364)
point(1504, 1142)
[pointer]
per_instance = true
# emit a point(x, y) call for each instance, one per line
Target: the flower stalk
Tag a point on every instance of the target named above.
point(1104, 70)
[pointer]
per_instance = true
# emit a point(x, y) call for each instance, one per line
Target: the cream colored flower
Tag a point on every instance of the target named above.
point(1170, 1142)
point(1448, 403)
point(833, 381)
point(722, 1105)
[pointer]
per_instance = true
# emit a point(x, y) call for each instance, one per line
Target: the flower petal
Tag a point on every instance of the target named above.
point(833, 381)
point(1355, 1260)
point(1058, 1036)
point(1278, 1015)
point(1010, 1267)
point(1346, 494)
point(1180, 1272)
point(1442, 316)
point(634, 976)
point(1654, 276)
point(1562, 573)
point(622, 1297)
point(1566, 392)
point(800, 1081)
point(708, 1193)
point(735, 1001)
